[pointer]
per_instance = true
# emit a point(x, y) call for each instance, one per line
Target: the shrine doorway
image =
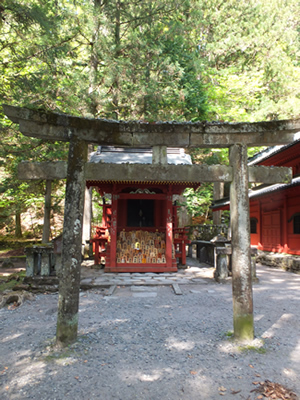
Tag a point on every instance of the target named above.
point(140, 213)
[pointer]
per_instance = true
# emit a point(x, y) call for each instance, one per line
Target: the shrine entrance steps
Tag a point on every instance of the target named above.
point(202, 273)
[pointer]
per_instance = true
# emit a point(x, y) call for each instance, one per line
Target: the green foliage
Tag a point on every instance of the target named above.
point(255, 349)
point(150, 60)
point(198, 202)
point(9, 282)
point(251, 50)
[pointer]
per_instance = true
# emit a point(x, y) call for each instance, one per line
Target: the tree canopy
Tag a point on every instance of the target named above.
point(152, 60)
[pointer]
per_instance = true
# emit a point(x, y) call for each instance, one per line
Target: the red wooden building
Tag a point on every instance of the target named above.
point(139, 231)
point(275, 209)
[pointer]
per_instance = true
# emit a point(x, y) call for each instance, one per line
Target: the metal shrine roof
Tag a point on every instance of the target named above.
point(123, 155)
point(259, 191)
point(271, 151)
point(264, 189)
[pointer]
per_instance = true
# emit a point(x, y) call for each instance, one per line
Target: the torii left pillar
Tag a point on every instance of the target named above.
point(69, 277)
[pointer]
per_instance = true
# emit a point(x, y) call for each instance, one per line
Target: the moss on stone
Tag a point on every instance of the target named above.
point(255, 349)
point(66, 331)
point(243, 327)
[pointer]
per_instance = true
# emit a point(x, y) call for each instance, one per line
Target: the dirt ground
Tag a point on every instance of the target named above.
point(153, 344)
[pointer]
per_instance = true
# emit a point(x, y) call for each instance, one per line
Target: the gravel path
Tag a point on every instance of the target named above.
point(153, 344)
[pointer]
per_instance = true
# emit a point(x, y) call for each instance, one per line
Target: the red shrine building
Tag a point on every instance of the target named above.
point(275, 209)
point(139, 230)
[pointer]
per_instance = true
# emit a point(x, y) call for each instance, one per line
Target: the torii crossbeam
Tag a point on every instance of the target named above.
point(237, 137)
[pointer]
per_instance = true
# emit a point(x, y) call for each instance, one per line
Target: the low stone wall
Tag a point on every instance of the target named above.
point(207, 232)
point(288, 262)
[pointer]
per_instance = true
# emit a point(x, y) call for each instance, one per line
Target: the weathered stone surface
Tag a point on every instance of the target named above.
point(45, 264)
point(221, 271)
point(154, 172)
point(159, 155)
point(16, 297)
point(169, 173)
point(7, 263)
point(160, 138)
point(177, 289)
point(260, 173)
point(42, 170)
point(53, 126)
point(240, 241)
point(111, 290)
point(217, 195)
point(143, 289)
point(134, 172)
point(251, 138)
point(144, 294)
point(47, 212)
point(288, 262)
point(69, 283)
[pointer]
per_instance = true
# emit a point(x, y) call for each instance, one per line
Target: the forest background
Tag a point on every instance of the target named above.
point(187, 60)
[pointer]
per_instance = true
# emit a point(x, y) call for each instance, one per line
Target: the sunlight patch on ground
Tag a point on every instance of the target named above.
point(30, 375)
point(149, 377)
point(165, 306)
point(236, 346)
point(290, 373)
point(295, 354)
point(11, 337)
point(259, 317)
point(173, 343)
point(280, 323)
point(23, 354)
point(66, 361)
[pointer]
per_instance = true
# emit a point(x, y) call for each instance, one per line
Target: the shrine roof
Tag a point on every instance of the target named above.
point(270, 152)
point(123, 155)
point(257, 192)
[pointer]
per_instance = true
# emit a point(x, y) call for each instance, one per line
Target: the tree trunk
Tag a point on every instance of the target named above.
point(18, 231)
point(47, 212)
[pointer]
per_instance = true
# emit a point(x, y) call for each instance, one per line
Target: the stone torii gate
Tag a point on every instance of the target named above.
point(80, 131)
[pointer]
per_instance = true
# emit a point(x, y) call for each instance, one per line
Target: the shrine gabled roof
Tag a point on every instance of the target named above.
point(270, 152)
point(123, 155)
point(257, 192)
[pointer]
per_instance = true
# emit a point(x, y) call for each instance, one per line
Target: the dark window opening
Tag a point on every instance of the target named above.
point(140, 213)
point(253, 225)
point(297, 224)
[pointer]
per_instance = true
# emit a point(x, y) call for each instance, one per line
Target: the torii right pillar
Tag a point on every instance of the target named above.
point(240, 238)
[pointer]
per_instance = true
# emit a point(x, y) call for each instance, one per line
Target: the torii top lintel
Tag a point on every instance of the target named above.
point(62, 127)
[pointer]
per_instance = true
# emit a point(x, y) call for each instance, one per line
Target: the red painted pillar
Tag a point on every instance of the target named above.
point(260, 222)
point(169, 230)
point(113, 230)
point(284, 226)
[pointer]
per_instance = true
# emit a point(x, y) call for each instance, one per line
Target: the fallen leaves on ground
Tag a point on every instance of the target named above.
point(235, 391)
point(13, 306)
point(272, 390)
point(222, 390)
